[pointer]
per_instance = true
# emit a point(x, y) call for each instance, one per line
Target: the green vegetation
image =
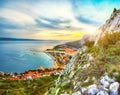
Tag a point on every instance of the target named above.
point(109, 39)
point(75, 44)
point(114, 10)
point(27, 87)
point(90, 82)
point(107, 54)
point(105, 59)
point(86, 70)
point(89, 43)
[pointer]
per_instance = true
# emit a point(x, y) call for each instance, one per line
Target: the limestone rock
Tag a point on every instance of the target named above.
point(83, 90)
point(104, 83)
point(114, 88)
point(92, 89)
point(77, 93)
point(107, 78)
point(102, 93)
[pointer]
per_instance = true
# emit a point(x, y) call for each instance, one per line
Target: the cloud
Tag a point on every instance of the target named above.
point(16, 17)
point(50, 18)
point(55, 21)
point(88, 21)
point(3, 33)
point(59, 35)
point(45, 24)
point(94, 11)
point(5, 24)
point(52, 23)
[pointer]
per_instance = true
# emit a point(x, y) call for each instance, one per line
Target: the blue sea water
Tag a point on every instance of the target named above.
point(20, 56)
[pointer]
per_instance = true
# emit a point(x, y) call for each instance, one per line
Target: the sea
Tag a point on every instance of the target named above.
point(21, 56)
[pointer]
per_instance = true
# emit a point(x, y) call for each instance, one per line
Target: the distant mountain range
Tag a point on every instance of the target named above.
point(17, 39)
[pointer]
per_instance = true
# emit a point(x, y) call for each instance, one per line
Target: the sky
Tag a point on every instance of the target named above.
point(53, 19)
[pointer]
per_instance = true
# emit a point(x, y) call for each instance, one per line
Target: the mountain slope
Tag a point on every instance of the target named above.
point(111, 25)
point(94, 70)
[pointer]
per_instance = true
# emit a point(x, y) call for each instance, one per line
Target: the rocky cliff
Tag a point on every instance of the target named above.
point(111, 25)
point(93, 73)
point(82, 76)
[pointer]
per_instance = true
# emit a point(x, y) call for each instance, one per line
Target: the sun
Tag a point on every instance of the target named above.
point(77, 34)
point(91, 31)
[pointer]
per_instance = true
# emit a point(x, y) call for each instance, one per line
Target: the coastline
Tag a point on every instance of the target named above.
point(30, 74)
point(59, 60)
point(52, 57)
point(33, 74)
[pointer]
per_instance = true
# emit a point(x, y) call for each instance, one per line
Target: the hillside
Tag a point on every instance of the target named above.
point(111, 25)
point(26, 87)
point(75, 44)
point(94, 69)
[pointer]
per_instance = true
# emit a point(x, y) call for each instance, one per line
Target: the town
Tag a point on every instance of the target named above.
point(60, 57)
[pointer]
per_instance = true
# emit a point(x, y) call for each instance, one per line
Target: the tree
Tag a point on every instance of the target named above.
point(114, 10)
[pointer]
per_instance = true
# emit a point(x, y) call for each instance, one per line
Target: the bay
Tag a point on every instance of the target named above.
point(21, 56)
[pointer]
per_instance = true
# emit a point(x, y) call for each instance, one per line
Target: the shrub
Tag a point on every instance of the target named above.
point(89, 43)
point(109, 39)
point(118, 77)
point(36, 87)
point(94, 50)
point(114, 10)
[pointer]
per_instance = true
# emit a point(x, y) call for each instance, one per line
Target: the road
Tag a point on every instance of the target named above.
point(58, 52)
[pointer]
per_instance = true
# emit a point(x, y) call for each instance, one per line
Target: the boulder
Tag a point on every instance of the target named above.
point(75, 87)
point(107, 78)
point(64, 93)
point(92, 89)
point(77, 93)
point(83, 90)
point(114, 88)
point(104, 82)
point(102, 93)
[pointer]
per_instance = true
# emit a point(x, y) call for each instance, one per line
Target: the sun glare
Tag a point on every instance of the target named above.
point(91, 31)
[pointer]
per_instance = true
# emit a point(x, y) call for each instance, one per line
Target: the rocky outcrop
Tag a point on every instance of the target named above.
point(82, 76)
point(114, 87)
point(78, 78)
point(105, 86)
point(111, 25)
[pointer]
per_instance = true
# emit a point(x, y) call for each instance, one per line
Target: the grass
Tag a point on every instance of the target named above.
point(90, 82)
point(36, 87)
point(105, 60)
point(107, 53)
